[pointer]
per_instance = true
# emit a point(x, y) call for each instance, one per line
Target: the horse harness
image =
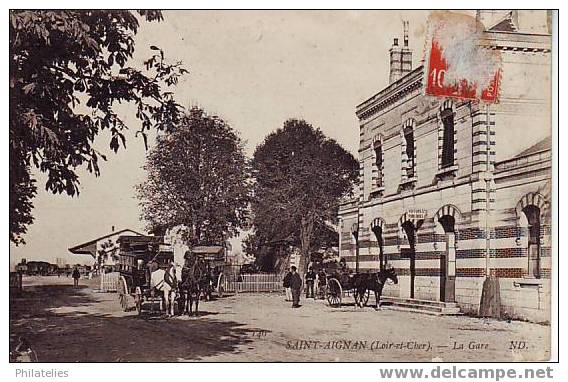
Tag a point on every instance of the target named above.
point(168, 279)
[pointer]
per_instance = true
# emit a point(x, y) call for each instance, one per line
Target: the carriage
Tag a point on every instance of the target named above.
point(214, 256)
point(340, 283)
point(360, 285)
point(137, 255)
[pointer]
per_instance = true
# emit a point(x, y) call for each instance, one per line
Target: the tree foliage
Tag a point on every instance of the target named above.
point(300, 177)
point(68, 71)
point(198, 177)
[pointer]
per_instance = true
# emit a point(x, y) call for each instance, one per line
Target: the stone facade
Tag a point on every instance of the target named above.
point(449, 195)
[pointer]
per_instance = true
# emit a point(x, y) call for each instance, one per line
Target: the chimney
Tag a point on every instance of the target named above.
point(112, 229)
point(405, 27)
point(400, 57)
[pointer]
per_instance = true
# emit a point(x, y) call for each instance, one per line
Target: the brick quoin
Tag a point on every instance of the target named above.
point(511, 273)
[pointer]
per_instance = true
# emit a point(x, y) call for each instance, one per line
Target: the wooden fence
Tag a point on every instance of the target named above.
point(247, 283)
point(109, 281)
point(254, 283)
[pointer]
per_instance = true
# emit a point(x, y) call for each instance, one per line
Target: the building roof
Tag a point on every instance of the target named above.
point(36, 262)
point(83, 248)
point(134, 239)
point(540, 151)
point(504, 24)
point(207, 249)
point(543, 145)
point(209, 252)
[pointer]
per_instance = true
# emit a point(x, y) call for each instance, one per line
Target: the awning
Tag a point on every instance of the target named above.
point(209, 252)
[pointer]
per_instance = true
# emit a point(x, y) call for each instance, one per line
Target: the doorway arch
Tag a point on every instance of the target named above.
point(446, 219)
point(377, 227)
point(409, 230)
point(355, 243)
point(531, 210)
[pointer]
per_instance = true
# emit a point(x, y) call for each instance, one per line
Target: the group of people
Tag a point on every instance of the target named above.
point(315, 283)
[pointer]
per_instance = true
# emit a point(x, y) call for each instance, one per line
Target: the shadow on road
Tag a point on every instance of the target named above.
point(66, 324)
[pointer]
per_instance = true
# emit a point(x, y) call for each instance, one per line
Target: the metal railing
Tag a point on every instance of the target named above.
point(253, 283)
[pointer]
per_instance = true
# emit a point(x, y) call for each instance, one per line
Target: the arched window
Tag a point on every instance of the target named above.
point(409, 140)
point(447, 117)
point(378, 151)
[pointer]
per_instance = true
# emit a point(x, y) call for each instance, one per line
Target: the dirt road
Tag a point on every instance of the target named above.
point(67, 324)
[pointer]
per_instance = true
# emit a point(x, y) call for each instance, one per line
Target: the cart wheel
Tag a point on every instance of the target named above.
point(361, 301)
point(138, 300)
point(334, 293)
point(119, 292)
point(221, 285)
point(123, 293)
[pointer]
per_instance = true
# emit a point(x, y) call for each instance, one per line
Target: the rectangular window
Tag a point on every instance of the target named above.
point(448, 139)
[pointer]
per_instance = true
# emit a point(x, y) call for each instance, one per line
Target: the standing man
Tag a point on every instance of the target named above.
point(310, 279)
point(76, 275)
point(321, 283)
point(286, 284)
point(296, 286)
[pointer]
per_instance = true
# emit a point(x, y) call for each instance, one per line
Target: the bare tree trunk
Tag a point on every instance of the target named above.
point(305, 243)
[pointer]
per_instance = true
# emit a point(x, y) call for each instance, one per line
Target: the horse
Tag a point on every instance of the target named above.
point(372, 281)
point(166, 281)
point(193, 280)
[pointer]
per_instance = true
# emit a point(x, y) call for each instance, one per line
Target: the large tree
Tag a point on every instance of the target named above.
point(68, 71)
point(199, 178)
point(300, 177)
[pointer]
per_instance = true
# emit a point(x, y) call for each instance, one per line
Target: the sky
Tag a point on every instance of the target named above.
point(254, 69)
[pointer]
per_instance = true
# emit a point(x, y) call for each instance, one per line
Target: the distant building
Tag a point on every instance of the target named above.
point(36, 268)
point(83, 269)
point(22, 266)
point(104, 249)
point(175, 238)
point(423, 205)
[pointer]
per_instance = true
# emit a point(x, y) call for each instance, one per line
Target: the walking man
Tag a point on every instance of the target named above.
point(296, 286)
point(76, 275)
point(310, 279)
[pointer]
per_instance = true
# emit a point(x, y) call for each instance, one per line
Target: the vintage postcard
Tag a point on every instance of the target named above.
point(286, 185)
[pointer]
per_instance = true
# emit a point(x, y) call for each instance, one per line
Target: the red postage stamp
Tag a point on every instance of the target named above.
point(458, 64)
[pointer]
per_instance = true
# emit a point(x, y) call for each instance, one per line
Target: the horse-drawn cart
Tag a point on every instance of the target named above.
point(359, 285)
point(338, 285)
point(214, 256)
point(137, 256)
